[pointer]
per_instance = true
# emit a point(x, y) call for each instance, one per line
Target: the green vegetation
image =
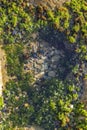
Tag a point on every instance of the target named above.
point(56, 103)
point(17, 105)
point(14, 54)
point(1, 103)
point(55, 106)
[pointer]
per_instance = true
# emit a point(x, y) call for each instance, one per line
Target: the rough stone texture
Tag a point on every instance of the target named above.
point(43, 60)
point(51, 74)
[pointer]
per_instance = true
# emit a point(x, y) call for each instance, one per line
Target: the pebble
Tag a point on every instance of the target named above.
point(51, 74)
point(55, 58)
point(39, 75)
point(34, 35)
point(54, 66)
point(45, 66)
point(53, 48)
point(51, 54)
point(57, 52)
point(40, 61)
point(43, 57)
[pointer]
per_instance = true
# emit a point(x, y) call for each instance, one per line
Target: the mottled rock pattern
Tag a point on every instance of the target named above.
point(43, 60)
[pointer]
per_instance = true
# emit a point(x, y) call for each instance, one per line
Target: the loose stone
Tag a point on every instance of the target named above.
point(53, 48)
point(43, 57)
point(51, 54)
point(51, 74)
point(54, 66)
point(45, 66)
point(34, 35)
point(40, 61)
point(39, 75)
point(55, 58)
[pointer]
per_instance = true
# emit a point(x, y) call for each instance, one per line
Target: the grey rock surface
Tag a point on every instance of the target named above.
point(44, 59)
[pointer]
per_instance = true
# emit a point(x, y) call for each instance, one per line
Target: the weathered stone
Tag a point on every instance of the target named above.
point(41, 45)
point(54, 66)
point(58, 52)
point(40, 61)
point(30, 61)
point(45, 66)
point(34, 46)
point(34, 35)
point(55, 58)
point(43, 57)
point(39, 75)
point(37, 66)
point(42, 67)
point(53, 48)
point(51, 53)
point(51, 74)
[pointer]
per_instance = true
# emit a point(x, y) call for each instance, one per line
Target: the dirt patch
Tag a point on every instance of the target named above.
point(3, 65)
point(30, 128)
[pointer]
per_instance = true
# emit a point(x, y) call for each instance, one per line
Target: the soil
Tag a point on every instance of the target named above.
point(3, 66)
point(30, 128)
